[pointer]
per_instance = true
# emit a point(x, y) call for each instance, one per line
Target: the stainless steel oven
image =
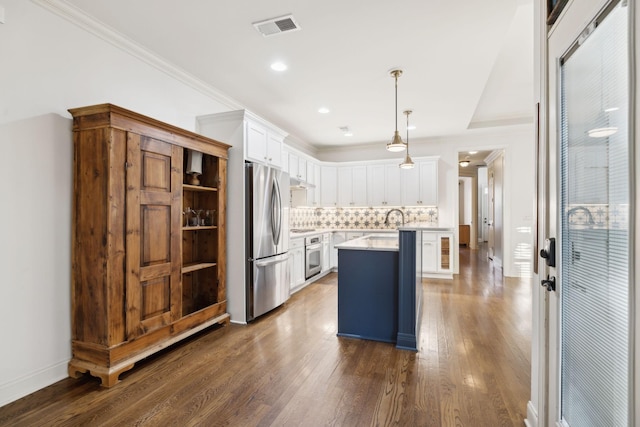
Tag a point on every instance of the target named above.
point(313, 256)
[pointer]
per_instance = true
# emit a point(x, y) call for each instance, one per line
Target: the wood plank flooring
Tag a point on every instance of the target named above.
point(289, 368)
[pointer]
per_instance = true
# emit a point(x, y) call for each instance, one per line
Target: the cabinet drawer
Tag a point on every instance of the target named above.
point(296, 243)
point(429, 237)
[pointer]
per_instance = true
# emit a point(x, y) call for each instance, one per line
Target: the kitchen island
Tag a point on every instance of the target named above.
point(379, 289)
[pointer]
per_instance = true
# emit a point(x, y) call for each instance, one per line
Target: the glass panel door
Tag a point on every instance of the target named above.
point(594, 270)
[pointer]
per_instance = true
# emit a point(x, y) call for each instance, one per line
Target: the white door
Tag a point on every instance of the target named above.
point(590, 367)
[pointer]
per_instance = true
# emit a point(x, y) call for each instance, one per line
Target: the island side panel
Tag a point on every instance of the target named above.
point(368, 294)
point(408, 298)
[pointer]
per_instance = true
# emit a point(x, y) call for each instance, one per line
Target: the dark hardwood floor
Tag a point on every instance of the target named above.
point(289, 368)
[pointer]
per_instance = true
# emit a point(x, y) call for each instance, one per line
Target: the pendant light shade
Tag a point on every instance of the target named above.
point(396, 143)
point(407, 163)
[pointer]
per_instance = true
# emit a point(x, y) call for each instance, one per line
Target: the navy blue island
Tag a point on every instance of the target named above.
point(379, 288)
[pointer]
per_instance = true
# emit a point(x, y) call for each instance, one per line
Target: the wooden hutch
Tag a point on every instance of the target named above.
point(143, 276)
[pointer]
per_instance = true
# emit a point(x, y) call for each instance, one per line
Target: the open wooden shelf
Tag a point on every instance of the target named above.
point(200, 227)
point(195, 266)
point(197, 188)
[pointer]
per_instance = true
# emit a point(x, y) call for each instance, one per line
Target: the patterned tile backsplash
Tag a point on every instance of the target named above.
point(360, 218)
point(598, 216)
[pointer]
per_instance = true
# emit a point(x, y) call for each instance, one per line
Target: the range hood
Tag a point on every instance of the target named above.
point(297, 184)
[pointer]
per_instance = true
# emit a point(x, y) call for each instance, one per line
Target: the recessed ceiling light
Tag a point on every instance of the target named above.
point(348, 133)
point(411, 127)
point(278, 66)
point(323, 110)
point(609, 110)
point(472, 152)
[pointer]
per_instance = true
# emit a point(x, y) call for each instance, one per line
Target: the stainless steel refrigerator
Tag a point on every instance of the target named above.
point(267, 238)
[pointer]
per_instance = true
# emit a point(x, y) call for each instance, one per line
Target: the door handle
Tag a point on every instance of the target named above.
point(549, 283)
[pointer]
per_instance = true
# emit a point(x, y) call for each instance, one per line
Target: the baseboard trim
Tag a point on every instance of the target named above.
point(20, 387)
point(532, 416)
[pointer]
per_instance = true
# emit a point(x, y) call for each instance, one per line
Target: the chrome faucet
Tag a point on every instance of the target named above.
point(386, 218)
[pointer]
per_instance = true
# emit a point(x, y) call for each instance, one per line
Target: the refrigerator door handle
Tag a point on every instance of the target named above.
point(276, 214)
point(274, 260)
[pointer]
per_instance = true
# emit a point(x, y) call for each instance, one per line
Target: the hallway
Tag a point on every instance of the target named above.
point(289, 368)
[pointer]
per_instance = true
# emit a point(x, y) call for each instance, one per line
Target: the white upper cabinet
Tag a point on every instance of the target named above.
point(313, 179)
point(297, 167)
point(328, 186)
point(352, 188)
point(420, 184)
point(263, 144)
point(384, 185)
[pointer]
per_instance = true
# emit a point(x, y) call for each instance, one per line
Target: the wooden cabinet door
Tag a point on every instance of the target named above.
point(153, 261)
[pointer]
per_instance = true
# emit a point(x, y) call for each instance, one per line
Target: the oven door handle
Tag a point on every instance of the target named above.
point(313, 247)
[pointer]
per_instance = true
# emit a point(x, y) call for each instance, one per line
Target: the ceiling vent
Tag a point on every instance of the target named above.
point(279, 25)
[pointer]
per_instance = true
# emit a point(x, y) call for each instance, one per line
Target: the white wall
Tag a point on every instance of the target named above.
point(49, 65)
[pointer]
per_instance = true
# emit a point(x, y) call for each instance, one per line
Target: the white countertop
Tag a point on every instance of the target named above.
point(294, 235)
point(424, 226)
point(372, 242)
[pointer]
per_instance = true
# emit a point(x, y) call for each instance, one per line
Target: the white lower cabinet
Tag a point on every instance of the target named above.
point(336, 237)
point(296, 263)
point(437, 254)
point(326, 252)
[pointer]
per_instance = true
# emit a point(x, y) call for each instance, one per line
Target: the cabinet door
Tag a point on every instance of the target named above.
point(344, 189)
point(376, 185)
point(274, 150)
point(445, 246)
point(359, 186)
point(393, 185)
point(153, 260)
point(429, 252)
point(313, 188)
point(302, 169)
point(326, 256)
point(329, 185)
point(411, 183)
point(256, 142)
point(293, 166)
point(428, 171)
point(298, 266)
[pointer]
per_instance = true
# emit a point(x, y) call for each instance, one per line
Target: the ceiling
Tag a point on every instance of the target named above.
point(467, 64)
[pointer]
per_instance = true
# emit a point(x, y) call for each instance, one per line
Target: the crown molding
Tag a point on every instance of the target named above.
point(88, 23)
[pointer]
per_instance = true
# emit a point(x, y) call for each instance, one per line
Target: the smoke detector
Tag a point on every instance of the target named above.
point(282, 24)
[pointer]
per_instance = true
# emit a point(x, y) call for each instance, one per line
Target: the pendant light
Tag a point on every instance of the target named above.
point(408, 163)
point(396, 143)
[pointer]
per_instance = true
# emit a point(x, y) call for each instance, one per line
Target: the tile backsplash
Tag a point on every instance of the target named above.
point(598, 216)
point(360, 218)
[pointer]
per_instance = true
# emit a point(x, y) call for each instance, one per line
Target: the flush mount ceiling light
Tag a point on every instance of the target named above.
point(323, 110)
point(602, 132)
point(278, 66)
point(407, 163)
point(464, 163)
point(396, 143)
